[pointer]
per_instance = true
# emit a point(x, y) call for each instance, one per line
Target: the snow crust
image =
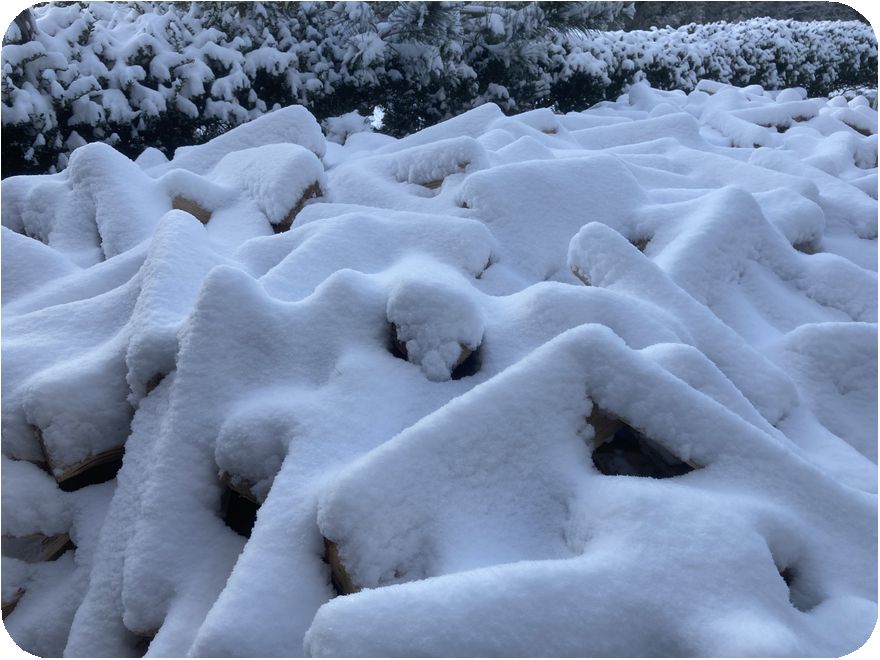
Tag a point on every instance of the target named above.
point(415, 372)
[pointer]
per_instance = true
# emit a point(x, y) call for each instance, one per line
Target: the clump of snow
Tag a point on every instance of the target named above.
point(436, 322)
point(411, 383)
point(339, 129)
point(276, 176)
point(32, 502)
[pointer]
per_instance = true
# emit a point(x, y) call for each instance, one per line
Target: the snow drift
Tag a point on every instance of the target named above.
point(600, 383)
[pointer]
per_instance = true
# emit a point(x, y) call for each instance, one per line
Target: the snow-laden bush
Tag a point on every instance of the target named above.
point(141, 74)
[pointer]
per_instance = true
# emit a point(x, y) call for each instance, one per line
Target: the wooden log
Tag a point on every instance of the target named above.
point(241, 486)
point(94, 469)
point(434, 184)
point(641, 243)
point(36, 547)
point(339, 575)
point(583, 278)
point(312, 192)
point(193, 208)
point(9, 606)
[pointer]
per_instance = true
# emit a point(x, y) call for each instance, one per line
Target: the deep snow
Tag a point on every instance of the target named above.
point(412, 379)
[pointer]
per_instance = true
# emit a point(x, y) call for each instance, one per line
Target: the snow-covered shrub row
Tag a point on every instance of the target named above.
point(162, 74)
point(601, 383)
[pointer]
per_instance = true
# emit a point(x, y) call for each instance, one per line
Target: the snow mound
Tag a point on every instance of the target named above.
point(489, 389)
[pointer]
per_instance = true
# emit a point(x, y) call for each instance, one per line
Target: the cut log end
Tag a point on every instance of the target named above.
point(241, 486)
point(35, 548)
point(434, 184)
point(339, 576)
point(9, 606)
point(641, 243)
point(312, 192)
point(193, 208)
point(95, 469)
point(581, 276)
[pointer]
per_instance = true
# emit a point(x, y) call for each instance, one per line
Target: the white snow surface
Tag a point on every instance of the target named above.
point(702, 266)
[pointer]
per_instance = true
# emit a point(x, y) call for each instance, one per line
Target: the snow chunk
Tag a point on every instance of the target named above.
point(293, 124)
point(279, 177)
point(436, 322)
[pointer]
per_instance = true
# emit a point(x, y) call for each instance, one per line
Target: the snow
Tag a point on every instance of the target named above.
point(403, 354)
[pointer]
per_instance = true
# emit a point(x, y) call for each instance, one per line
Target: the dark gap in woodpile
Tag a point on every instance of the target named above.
point(153, 382)
point(396, 347)
point(807, 247)
point(621, 450)
point(797, 596)
point(641, 243)
point(142, 641)
point(469, 366)
point(97, 469)
point(239, 506)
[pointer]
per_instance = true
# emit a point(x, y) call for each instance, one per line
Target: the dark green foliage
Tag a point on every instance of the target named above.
point(198, 69)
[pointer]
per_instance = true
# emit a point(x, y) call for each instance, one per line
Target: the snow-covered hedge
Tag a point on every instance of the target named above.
point(142, 74)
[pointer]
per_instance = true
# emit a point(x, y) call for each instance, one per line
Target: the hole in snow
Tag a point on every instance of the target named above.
point(486, 267)
point(90, 471)
point(239, 506)
point(807, 247)
point(142, 645)
point(468, 363)
point(142, 641)
point(641, 243)
point(622, 450)
point(469, 366)
point(799, 597)
point(339, 577)
point(153, 382)
point(94, 470)
point(396, 347)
